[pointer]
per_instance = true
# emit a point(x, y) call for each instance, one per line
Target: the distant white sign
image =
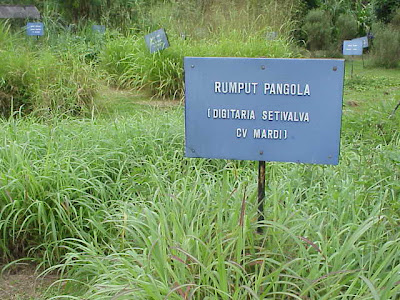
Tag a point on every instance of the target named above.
point(353, 47)
point(364, 41)
point(35, 29)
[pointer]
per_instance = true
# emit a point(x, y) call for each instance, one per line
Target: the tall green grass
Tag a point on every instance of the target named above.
point(36, 77)
point(114, 206)
point(386, 46)
point(130, 65)
point(216, 28)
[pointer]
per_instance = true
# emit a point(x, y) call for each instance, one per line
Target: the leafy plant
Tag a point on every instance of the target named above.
point(386, 46)
point(384, 9)
point(347, 27)
point(318, 26)
point(395, 23)
point(130, 65)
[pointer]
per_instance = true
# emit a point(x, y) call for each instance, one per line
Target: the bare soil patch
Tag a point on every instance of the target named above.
point(22, 282)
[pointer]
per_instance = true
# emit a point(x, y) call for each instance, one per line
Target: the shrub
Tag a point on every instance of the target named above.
point(318, 26)
point(384, 9)
point(386, 46)
point(395, 23)
point(347, 27)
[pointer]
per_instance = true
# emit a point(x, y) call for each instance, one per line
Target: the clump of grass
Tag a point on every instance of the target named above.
point(43, 80)
point(211, 19)
point(129, 216)
point(386, 46)
point(347, 27)
point(130, 65)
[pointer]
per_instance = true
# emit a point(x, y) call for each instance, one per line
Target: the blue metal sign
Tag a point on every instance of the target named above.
point(273, 35)
point(364, 41)
point(34, 29)
point(157, 40)
point(286, 110)
point(353, 47)
point(99, 28)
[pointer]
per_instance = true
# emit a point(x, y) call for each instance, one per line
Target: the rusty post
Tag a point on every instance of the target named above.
point(261, 192)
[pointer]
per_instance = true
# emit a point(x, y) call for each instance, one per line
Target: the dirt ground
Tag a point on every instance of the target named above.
point(22, 282)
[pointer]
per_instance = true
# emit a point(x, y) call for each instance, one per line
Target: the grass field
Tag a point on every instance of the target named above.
point(112, 206)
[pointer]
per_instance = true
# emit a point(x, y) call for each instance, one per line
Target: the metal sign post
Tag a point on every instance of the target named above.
point(365, 44)
point(353, 47)
point(261, 193)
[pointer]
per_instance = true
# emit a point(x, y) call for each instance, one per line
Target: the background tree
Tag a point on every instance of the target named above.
point(318, 27)
point(346, 26)
point(384, 9)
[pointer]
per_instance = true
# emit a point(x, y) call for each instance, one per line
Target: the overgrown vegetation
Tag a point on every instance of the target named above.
point(61, 71)
point(113, 205)
point(129, 64)
point(110, 203)
point(386, 50)
point(318, 26)
point(42, 79)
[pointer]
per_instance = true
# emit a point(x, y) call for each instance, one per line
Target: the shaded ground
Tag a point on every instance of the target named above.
point(22, 283)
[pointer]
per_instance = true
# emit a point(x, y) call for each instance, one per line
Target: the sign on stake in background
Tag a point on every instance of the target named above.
point(364, 41)
point(157, 40)
point(99, 28)
point(35, 29)
point(273, 35)
point(353, 47)
point(286, 110)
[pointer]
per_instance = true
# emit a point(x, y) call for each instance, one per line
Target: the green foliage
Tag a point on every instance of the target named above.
point(5, 36)
point(364, 12)
point(115, 207)
point(384, 9)
point(43, 80)
point(131, 218)
point(395, 23)
point(336, 7)
point(386, 46)
point(205, 19)
point(347, 27)
point(318, 26)
point(130, 65)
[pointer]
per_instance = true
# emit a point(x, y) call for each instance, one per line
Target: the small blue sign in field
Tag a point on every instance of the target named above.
point(273, 35)
point(286, 110)
point(99, 28)
point(353, 47)
point(364, 41)
point(157, 40)
point(35, 29)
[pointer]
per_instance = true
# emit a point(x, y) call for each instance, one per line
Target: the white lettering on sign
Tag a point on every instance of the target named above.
point(223, 113)
point(286, 89)
point(241, 133)
point(157, 41)
point(288, 116)
point(270, 134)
point(233, 87)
